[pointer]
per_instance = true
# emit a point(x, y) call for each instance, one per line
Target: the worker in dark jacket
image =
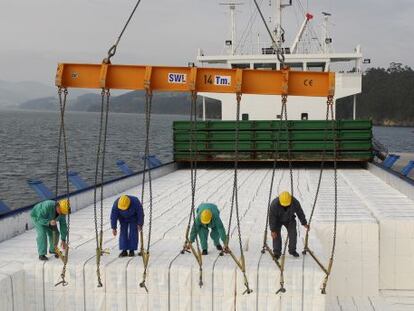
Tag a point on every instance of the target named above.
point(128, 210)
point(208, 217)
point(45, 216)
point(282, 213)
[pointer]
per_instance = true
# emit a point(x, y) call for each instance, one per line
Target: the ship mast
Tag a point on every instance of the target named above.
point(232, 6)
point(279, 32)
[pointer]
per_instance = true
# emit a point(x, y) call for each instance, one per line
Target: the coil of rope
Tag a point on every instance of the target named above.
point(327, 270)
point(145, 253)
point(235, 205)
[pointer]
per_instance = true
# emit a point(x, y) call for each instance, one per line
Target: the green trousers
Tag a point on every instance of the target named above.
point(203, 235)
point(43, 234)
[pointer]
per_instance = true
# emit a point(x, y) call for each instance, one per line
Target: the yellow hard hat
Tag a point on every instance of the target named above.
point(206, 216)
point(285, 199)
point(64, 206)
point(124, 202)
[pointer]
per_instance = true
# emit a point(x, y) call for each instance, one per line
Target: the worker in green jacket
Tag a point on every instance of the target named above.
point(208, 216)
point(45, 216)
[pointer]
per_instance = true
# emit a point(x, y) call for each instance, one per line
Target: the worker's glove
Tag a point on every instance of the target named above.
point(226, 249)
point(52, 222)
point(114, 233)
point(188, 246)
point(64, 244)
point(307, 227)
point(274, 234)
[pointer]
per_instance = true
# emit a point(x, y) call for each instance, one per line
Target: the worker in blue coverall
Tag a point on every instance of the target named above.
point(45, 216)
point(208, 217)
point(128, 210)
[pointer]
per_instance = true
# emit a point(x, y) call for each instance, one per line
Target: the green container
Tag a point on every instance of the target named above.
point(185, 136)
point(272, 146)
point(274, 125)
point(263, 156)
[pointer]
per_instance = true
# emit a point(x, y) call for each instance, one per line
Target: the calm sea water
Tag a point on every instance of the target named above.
point(28, 147)
point(28, 141)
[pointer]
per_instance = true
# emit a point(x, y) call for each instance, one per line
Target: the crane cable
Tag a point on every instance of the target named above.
point(62, 134)
point(112, 50)
point(326, 270)
point(145, 252)
point(235, 205)
point(193, 172)
point(100, 157)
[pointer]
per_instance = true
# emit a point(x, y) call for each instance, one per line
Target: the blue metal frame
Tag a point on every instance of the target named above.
point(407, 169)
point(29, 207)
point(77, 181)
point(3, 208)
point(124, 167)
point(397, 174)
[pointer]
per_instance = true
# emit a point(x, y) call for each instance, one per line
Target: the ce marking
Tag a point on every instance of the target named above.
point(308, 82)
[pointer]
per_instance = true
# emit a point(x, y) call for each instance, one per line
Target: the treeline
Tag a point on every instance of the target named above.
point(387, 97)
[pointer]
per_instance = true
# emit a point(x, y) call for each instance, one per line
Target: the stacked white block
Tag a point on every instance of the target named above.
point(395, 214)
point(173, 278)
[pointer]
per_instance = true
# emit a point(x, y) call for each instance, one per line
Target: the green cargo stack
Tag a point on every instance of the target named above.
point(263, 140)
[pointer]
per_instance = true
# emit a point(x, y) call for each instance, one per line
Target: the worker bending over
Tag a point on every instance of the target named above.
point(208, 216)
point(128, 210)
point(282, 213)
point(45, 216)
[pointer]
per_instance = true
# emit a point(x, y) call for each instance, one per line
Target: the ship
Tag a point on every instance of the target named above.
point(362, 205)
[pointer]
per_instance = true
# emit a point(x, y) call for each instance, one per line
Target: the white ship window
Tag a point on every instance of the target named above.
point(316, 67)
point(241, 66)
point(245, 117)
point(295, 66)
point(265, 66)
point(304, 116)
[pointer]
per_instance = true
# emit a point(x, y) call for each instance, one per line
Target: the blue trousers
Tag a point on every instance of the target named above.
point(128, 237)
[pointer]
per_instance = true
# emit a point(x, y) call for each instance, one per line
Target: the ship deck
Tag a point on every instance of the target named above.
point(373, 267)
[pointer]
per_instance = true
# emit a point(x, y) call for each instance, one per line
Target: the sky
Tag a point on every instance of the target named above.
point(36, 35)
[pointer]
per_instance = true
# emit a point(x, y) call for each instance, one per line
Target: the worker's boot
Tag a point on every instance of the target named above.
point(294, 253)
point(43, 257)
point(123, 254)
point(204, 252)
point(131, 254)
point(219, 247)
point(277, 255)
point(54, 254)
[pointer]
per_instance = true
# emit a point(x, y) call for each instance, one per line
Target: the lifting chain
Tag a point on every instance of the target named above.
point(235, 204)
point(62, 134)
point(193, 171)
point(289, 154)
point(335, 147)
point(275, 157)
point(100, 156)
point(326, 270)
point(145, 252)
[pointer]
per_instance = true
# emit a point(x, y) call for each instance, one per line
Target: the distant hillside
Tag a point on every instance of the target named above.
point(387, 97)
point(132, 102)
point(12, 94)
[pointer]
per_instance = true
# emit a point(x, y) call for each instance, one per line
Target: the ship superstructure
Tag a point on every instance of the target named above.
point(305, 53)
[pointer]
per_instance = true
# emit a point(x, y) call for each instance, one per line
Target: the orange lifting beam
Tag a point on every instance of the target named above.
point(209, 80)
